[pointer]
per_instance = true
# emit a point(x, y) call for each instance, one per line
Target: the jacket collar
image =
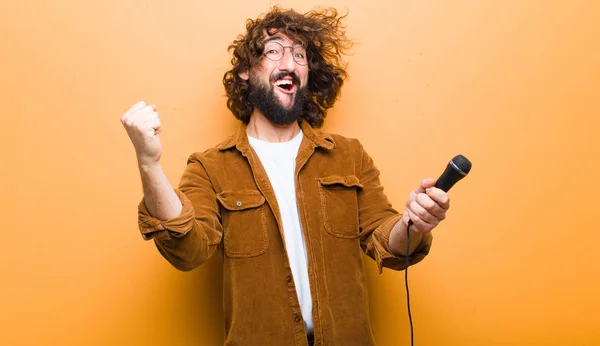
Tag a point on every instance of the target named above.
point(240, 138)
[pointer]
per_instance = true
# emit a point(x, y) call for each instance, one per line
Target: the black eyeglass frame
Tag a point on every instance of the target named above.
point(292, 51)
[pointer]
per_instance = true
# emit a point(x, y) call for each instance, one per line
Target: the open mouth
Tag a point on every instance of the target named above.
point(286, 84)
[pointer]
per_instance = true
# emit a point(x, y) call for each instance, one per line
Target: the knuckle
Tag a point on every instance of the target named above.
point(415, 218)
point(425, 199)
point(414, 206)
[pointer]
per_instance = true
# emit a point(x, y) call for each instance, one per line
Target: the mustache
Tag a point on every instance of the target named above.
point(281, 75)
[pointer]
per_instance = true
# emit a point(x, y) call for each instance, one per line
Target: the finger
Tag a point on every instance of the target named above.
point(439, 196)
point(423, 213)
point(141, 115)
point(154, 124)
point(418, 224)
point(145, 126)
point(431, 206)
point(139, 105)
point(147, 109)
point(135, 117)
point(425, 184)
point(148, 115)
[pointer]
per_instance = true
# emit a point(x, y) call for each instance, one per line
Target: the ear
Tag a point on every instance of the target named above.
point(244, 75)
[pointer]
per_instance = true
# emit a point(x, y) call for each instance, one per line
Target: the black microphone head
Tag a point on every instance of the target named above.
point(462, 163)
point(456, 169)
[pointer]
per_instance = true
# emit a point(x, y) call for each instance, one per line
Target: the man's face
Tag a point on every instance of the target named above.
point(278, 87)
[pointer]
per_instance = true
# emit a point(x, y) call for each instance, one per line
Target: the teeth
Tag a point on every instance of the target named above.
point(283, 82)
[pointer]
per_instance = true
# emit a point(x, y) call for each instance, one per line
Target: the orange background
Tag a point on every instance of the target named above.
point(512, 85)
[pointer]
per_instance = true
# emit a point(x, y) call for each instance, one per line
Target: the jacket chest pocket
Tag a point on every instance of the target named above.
point(339, 205)
point(244, 223)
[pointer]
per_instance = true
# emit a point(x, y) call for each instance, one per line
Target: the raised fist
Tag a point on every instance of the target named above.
point(143, 126)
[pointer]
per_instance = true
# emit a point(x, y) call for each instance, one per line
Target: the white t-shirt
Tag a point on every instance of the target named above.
point(279, 161)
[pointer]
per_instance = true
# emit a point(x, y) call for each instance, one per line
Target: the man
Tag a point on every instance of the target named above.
point(289, 208)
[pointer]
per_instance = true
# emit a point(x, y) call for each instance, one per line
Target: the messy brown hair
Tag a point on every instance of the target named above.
point(324, 37)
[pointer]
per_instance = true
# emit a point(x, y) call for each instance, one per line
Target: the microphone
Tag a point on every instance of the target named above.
point(457, 169)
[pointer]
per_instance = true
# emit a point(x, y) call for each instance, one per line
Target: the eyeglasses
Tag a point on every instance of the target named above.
point(274, 51)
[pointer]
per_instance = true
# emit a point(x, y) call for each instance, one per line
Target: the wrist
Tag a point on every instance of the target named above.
point(148, 164)
point(415, 237)
point(399, 239)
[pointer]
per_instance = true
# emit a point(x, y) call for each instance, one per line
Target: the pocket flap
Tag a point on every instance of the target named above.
point(347, 181)
point(240, 200)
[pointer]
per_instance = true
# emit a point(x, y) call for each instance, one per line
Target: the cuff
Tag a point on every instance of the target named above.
point(383, 254)
point(178, 226)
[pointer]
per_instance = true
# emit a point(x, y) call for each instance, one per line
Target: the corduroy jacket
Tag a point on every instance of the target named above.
point(229, 206)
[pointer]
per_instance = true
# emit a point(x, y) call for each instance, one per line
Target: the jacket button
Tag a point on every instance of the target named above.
point(288, 278)
point(298, 319)
point(238, 203)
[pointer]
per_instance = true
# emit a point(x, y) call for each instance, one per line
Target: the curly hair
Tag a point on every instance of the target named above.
point(323, 34)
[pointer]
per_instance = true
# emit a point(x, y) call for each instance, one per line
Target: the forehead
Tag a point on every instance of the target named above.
point(283, 38)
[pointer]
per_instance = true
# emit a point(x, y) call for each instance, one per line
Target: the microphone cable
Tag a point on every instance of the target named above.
point(457, 169)
point(412, 339)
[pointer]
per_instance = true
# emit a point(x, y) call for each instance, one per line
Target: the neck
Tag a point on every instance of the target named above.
point(261, 128)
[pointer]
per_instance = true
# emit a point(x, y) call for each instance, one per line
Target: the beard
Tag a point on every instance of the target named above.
point(263, 97)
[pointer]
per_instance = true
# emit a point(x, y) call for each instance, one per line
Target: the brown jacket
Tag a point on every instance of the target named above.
point(229, 206)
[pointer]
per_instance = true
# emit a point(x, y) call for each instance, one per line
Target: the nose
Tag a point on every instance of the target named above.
point(287, 63)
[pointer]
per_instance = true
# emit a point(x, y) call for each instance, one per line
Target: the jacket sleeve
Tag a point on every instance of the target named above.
point(377, 218)
point(192, 237)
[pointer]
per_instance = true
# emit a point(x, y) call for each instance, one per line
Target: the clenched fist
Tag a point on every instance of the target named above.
point(426, 206)
point(143, 126)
